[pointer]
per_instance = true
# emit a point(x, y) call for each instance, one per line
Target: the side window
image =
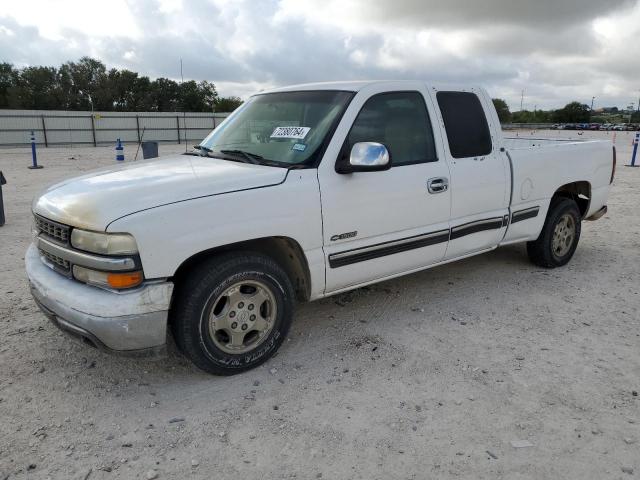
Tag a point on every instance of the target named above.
point(466, 124)
point(398, 120)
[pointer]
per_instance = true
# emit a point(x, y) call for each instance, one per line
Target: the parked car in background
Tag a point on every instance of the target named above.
point(570, 126)
point(619, 128)
point(301, 193)
point(594, 126)
point(606, 126)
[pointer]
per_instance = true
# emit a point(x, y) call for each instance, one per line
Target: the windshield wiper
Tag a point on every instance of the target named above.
point(256, 159)
point(240, 156)
point(204, 151)
point(250, 157)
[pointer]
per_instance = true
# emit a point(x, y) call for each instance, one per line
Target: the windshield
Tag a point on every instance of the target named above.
point(288, 128)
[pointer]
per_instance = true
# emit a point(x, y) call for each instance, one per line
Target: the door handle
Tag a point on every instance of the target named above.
point(437, 185)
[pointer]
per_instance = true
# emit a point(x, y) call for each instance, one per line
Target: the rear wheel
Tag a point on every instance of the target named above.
point(559, 237)
point(232, 312)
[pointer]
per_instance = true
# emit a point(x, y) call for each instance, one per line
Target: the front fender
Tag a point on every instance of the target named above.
point(170, 234)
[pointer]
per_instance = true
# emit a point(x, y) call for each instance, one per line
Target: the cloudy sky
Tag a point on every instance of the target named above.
point(556, 50)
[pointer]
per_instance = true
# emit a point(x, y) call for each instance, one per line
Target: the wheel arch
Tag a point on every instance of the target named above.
point(286, 251)
point(579, 191)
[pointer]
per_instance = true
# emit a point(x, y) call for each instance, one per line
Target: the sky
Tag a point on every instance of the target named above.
point(556, 51)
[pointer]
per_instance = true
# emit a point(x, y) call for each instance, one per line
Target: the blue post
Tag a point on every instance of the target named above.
point(2, 182)
point(119, 151)
point(34, 157)
point(635, 151)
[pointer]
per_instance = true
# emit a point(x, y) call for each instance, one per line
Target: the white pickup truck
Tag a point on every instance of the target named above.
point(303, 192)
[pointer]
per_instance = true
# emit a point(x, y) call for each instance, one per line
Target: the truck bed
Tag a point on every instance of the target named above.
point(540, 165)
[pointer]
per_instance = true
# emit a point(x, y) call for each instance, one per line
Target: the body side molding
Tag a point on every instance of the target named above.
point(525, 214)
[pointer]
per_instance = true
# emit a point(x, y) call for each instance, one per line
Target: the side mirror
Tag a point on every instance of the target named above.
point(367, 157)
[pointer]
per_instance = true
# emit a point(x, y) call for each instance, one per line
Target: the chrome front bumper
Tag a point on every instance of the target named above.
point(129, 322)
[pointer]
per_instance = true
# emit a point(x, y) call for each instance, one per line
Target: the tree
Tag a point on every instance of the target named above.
point(574, 112)
point(38, 88)
point(86, 84)
point(7, 80)
point(504, 115)
point(209, 94)
point(635, 117)
point(165, 95)
point(227, 104)
point(197, 97)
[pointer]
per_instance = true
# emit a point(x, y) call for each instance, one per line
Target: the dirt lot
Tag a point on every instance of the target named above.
point(440, 374)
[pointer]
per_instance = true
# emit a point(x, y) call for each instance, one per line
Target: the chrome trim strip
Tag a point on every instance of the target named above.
point(85, 259)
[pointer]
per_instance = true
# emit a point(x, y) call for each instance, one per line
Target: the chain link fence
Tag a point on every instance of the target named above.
point(53, 127)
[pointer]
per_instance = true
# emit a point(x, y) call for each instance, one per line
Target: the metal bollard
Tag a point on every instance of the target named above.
point(635, 151)
point(119, 151)
point(2, 182)
point(34, 158)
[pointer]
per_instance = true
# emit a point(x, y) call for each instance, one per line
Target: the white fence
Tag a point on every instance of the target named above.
point(55, 127)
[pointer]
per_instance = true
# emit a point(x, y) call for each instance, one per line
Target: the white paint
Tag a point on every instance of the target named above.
point(180, 206)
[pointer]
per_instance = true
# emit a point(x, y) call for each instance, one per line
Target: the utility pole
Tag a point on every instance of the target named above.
point(591, 109)
point(521, 99)
point(184, 112)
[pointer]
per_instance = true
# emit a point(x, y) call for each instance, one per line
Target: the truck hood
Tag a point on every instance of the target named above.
point(94, 200)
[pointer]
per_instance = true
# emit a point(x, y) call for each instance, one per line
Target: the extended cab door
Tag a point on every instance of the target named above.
point(480, 176)
point(379, 224)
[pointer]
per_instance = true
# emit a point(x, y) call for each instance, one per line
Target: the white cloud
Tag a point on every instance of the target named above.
point(92, 18)
point(556, 50)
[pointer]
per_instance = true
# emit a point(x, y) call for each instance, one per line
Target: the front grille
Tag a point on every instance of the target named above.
point(53, 230)
point(61, 263)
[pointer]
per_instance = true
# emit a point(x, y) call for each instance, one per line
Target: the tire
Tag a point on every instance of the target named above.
point(232, 312)
point(543, 251)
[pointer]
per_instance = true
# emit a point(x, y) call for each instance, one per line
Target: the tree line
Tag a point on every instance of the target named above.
point(88, 85)
point(574, 112)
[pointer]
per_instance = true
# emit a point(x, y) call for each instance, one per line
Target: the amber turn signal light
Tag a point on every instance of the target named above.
point(108, 279)
point(124, 280)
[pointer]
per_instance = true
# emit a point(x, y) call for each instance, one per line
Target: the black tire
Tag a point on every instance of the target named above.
point(541, 251)
point(202, 285)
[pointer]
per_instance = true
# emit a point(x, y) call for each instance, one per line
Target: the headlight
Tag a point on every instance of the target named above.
point(104, 243)
point(108, 279)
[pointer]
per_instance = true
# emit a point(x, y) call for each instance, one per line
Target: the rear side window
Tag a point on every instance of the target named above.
point(466, 124)
point(398, 120)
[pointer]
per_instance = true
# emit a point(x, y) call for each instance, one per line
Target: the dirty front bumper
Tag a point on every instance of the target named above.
point(132, 323)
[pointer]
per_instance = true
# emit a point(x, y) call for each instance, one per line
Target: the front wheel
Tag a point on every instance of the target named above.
point(232, 312)
point(559, 237)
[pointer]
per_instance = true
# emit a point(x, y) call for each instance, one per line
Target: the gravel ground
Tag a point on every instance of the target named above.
point(485, 368)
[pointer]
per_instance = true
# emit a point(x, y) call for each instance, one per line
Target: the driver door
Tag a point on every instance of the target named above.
point(383, 223)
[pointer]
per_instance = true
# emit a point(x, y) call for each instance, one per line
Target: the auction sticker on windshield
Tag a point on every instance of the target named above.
point(290, 132)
